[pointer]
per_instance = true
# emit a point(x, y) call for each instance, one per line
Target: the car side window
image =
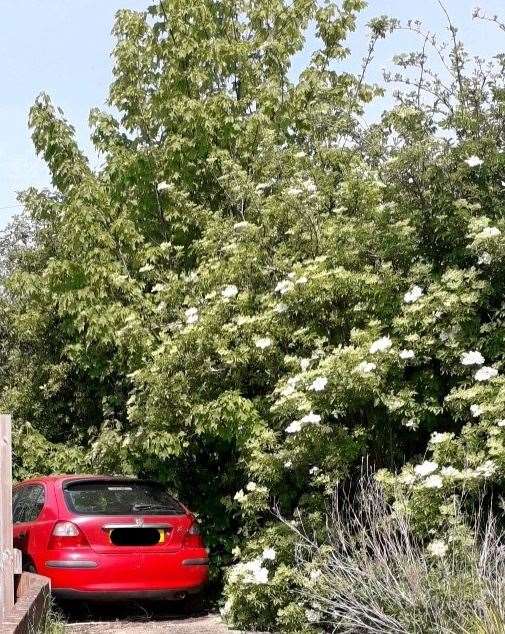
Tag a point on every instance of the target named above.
point(37, 500)
point(19, 502)
point(27, 503)
point(15, 499)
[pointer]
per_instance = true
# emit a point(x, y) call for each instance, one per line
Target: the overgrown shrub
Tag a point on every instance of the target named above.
point(256, 289)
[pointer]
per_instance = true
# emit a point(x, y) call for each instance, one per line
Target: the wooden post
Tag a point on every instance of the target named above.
point(6, 551)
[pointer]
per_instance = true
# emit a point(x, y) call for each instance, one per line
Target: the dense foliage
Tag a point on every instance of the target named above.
point(256, 290)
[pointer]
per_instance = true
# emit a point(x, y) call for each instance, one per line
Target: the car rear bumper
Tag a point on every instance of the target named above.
point(125, 595)
point(162, 575)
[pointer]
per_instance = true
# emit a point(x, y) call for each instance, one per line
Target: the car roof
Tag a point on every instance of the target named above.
point(55, 479)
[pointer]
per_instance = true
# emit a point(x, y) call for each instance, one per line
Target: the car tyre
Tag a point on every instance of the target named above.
point(29, 566)
point(193, 604)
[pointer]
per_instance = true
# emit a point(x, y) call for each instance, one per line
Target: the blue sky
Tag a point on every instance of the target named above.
point(63, 47)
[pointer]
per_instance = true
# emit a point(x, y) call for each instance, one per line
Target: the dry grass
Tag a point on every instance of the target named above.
point(375, 575)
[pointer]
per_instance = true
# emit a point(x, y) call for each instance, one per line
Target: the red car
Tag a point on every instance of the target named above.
point(101, 537)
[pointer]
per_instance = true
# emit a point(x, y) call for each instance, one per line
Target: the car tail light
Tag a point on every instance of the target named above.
point(193, 538)
point(66, 535)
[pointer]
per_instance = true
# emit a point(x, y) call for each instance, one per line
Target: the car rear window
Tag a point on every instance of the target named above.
point(116, 497)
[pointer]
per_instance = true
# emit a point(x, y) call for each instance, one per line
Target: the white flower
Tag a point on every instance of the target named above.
point(288, 390)
point(425, 468)
point(433, 482)
point(230, 246)
point(230, 291)
point(473, 161)
point(469, 474)
point(294, 427)
point(310, 418)
point(489, 232)
point(301, 280)
point(406, 477)
point(243, 319)
point(225, 610)
point(380, 345)
point(269, 553)
point(501, 422)
point(365, 368)
point(300, 154)
point(310, 186)
point(294, 191)
point(158, 288)
point(407, 354)
point(437, 438)
point(487, 469)
point(251, 486)
point(313, 616)
point(164, 186)
point(315, 574)
point(304, 364)
point(485, 258)
point(413, 295)
point(288, 464)
point(485, 373)
point(254, 572)
point(240, 227)
point(318, 384)
point(437, 548)
point(191, 315)
point(145, 268)
point(262, 343)
point(411, 180)
point(449, 472)
point(281, 307)
point(261, 575)
point(284, 286)
point(475, 410)
point(239, 496)
point(472, 358)
point(314, 470)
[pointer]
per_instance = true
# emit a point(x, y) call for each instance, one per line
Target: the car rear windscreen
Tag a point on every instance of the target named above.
point(104, 497)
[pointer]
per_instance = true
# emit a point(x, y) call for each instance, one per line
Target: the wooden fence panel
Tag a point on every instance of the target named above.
point(6, 551)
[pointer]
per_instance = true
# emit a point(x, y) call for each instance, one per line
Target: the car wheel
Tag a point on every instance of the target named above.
point(193, 604)
point(29, 566)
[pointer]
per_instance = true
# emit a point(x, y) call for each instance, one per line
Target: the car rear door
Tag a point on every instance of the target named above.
point(27, 504)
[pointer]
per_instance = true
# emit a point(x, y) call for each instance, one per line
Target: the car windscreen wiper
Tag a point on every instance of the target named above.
point(154, 507)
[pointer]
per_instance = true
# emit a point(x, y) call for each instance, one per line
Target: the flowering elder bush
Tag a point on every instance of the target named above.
point(255, 291)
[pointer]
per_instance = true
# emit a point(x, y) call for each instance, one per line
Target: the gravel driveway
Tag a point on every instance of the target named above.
point(210, 624)
point(137, 618)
